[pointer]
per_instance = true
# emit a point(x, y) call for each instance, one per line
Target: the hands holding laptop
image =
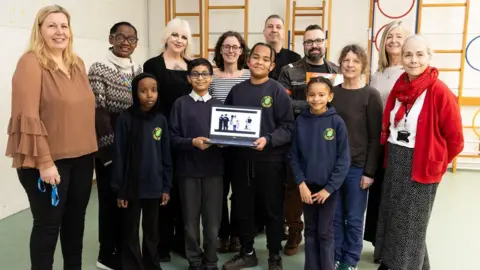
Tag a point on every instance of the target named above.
point(199, 142)
point(260, 143)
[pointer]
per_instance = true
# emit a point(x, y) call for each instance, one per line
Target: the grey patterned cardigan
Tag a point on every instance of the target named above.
point(110, 80)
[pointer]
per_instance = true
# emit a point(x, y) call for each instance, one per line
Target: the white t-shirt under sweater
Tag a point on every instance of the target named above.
point(384, 81)
point(410, 125)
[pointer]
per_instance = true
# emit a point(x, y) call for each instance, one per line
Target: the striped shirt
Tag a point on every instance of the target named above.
point(220, 86)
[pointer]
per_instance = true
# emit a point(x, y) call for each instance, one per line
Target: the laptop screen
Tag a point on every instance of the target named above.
point(233, 121)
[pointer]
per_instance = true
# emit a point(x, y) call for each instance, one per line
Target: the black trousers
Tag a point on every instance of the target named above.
point(319, 238)
point(66, 219)
point(374, 199)
point(171, 228)
point(131, 257)
point(263, 182)
point(109, 215)
point(228, 226)
point(201, 199)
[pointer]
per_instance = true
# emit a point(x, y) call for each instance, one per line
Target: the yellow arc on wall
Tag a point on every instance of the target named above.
point(473, 124)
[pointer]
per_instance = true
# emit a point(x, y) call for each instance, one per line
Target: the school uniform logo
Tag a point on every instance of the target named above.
point(329, 134)
point(267, 101)
point(157, 133)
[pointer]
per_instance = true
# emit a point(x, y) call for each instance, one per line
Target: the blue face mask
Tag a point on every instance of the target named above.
point(41, 187)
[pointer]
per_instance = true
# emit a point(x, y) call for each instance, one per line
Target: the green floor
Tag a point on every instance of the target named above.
point(452, 239)
point(15, 233)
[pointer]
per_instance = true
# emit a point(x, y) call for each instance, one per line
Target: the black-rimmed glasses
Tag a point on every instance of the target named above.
point(234, 48)
point(121, 38)
point(318, 41)
point(196, 75)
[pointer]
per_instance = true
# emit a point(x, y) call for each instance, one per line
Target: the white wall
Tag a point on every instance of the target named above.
point(350, 24)
point(350, 18)
point(91, 22)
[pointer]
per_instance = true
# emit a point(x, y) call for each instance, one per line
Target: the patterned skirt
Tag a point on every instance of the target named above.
point(405, 211)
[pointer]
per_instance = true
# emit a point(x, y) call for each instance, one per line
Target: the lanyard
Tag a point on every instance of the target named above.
point(54, 194)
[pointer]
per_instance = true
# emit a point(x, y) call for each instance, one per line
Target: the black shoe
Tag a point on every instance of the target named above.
point(241, 260)
point(222, 245)
point(383, 267)
point(275, 262)
point(195, 267)
point(107, 262)
point(234, 245)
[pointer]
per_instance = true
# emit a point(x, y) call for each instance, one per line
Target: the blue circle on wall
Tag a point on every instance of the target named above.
point(466, 53)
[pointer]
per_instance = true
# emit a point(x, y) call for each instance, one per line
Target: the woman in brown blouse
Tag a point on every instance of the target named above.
point(52, 138)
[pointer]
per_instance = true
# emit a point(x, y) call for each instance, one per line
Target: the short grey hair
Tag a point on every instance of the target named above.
point(422, 39)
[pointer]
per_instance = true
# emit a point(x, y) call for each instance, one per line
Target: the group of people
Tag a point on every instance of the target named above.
point(323, 148)
point(224, 121)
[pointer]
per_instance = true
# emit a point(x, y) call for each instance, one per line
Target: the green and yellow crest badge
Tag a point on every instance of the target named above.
point(157, 133)
point(329, 134)
point(267, 101)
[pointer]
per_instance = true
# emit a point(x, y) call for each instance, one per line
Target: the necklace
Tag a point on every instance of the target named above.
point(125, 81)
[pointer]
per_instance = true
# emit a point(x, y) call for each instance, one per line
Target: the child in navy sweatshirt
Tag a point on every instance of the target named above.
point(199, 167)
point(320, 160)
point(142, 173)
point(258, 174)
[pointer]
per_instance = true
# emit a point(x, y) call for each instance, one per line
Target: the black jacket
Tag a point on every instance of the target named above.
point(293, 78)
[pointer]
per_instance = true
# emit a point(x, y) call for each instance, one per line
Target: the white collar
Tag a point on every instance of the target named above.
point(123, 63)
point(197, 97)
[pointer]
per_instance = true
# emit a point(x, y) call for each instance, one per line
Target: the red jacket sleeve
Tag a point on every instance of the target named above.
point(450, 121)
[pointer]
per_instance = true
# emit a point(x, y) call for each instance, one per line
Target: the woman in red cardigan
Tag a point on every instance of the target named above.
point(422, 132)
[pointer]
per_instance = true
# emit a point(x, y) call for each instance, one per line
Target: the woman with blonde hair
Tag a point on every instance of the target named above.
point(389, 69)
point(52, 138)
point(389, 58)
point(170, 70)
point(422, 133)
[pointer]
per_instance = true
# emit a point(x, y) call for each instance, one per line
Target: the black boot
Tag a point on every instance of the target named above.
point(383, 267)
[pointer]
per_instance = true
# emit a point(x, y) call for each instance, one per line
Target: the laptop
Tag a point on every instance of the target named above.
point(234, 125)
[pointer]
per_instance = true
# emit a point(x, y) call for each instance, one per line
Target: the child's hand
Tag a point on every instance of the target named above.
point(260, 143)
point(321, 196)
point(305, 193)
point(122, 203)
point(165, 198)
point(199, 143)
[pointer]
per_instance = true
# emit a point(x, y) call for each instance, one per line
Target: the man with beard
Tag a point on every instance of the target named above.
point(274, 33)
point(294, 78)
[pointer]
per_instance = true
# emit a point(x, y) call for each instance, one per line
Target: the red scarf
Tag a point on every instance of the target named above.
point(406, 92)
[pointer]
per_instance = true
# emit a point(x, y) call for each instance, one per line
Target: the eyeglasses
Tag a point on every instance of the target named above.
point(41, 187)
point(234, 48)
point(196, 75)
point(121, 38)
point(318, 41)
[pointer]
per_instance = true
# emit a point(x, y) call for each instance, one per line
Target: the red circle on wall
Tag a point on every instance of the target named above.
point(395, 17)
point(378, 33)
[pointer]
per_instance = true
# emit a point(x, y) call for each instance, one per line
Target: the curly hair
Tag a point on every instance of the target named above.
point(217, 56)
point(359, 51)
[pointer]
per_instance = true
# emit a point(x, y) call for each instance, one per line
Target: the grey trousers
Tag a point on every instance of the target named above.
point(201, 197)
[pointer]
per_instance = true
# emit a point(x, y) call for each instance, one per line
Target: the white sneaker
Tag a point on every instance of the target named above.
point(102, 266)
point(337, 265)
point(352, 268)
